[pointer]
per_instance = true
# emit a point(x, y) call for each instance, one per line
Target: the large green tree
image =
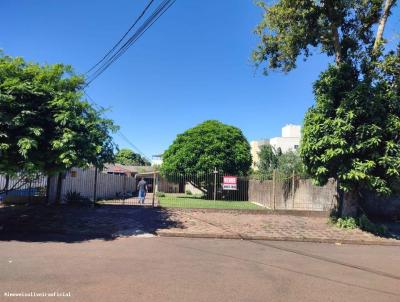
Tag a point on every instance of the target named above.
point(45, 126)
point(126, 156)
point(351, 134)
point(209, 145)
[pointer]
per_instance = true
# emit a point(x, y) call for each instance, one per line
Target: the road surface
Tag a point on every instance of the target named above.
point(181, 269)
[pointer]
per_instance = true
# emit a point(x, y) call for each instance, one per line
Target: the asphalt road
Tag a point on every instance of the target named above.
point(180, 269)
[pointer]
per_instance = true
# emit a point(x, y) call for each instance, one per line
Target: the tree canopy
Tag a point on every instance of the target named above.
point(343, 29)
point(285, 164)
point(351, 134)
point(45, 126)
point(268, 160)
point(126, 156)
point(206, 146)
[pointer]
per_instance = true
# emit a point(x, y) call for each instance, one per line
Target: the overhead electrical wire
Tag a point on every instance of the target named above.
point(109, 58)
point(123, 37)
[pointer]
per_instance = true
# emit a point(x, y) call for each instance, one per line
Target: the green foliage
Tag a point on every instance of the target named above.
point(293, 28)
point(362, 223)
point(44, 124)
point(207, 146)
point(346, 223)
point(290, 162)
point(367, 225)
point(188, 192)
point(283, 163)
point(351, 134)
point(130, 158)
point(268, 160)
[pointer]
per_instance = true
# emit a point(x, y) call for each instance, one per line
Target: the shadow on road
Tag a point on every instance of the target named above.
point(40, 223)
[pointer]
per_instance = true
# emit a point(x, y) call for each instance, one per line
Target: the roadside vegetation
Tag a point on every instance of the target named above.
point(46, 126)
point(284, 164)
point(351, 133)
point(362, 222)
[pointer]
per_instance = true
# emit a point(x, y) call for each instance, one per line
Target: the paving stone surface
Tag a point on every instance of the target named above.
point(265, 225)
point(70, 224)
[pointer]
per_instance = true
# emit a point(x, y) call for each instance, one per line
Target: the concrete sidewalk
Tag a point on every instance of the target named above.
point(236, 225)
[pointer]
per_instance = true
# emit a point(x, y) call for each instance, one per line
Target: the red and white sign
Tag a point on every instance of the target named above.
point(229, 183)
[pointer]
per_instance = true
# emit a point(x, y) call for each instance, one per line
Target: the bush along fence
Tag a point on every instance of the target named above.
point(219, 190)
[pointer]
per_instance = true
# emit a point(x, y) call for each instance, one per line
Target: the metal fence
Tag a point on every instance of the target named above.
point(23, 188)
point(261, 192)
point(215, 190)
point(95, 186)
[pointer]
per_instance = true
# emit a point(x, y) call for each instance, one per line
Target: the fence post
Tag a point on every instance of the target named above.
point(124, 189)
point(293, 190)
point(59, 188)
point(7, 183)
point(273, 189)
point(95, 187)
point(215, 183)
point(154, 189)
point(30, 191)
point(48, 189)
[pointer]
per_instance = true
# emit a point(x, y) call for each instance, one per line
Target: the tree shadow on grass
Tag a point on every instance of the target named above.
point(40, 223)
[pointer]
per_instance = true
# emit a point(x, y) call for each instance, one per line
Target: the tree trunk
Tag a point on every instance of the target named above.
point(350, 204)
point(48, 189)
point(59, 188)
point(382, 23)
point(7, 184)
point(334, 32)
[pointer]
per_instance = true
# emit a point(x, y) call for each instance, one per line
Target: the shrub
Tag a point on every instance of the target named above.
point(188, 192)
point(75, 198)
point(367, 225)
point(346, 223)
point(160, 194)
point(362, 223)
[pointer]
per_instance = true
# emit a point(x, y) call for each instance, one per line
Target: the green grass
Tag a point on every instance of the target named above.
point(197, 203)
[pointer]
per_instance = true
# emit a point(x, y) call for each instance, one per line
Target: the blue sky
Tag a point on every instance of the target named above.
point(192, 65)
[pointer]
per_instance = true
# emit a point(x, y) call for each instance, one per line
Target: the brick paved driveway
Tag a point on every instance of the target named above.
point(263, 226)
point(65, 223)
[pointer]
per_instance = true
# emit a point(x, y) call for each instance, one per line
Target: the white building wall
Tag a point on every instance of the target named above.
point(291, 131)
point(289, 141)
point(285, 143)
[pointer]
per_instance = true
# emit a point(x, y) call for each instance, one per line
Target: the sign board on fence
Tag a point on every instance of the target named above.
point(229, 183)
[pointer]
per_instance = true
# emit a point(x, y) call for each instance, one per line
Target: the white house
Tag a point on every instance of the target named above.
point(156, 160)
point(289, 141)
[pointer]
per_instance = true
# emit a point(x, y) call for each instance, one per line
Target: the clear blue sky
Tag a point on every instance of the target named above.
point(192, 65)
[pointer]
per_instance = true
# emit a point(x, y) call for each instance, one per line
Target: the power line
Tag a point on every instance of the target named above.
point(123, 37)
point(157, 13)
point(123, 136)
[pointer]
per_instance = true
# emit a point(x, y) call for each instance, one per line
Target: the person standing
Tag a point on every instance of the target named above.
point(142, 187)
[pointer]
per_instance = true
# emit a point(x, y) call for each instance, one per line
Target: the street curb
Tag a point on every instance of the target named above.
point(302, 213)
point(269, 238)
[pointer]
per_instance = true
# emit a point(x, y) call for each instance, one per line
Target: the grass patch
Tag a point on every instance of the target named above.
point(198, 203)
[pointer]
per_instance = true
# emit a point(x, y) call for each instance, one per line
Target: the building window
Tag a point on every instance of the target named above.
point(296, 147)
